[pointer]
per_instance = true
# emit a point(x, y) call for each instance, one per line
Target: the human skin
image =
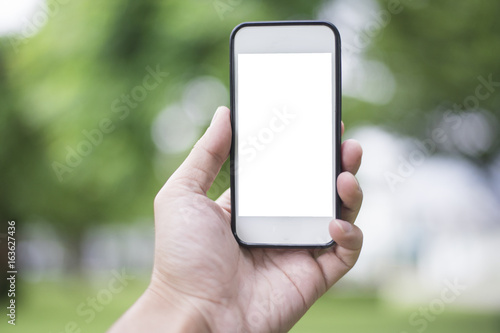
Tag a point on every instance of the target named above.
point(203, 281)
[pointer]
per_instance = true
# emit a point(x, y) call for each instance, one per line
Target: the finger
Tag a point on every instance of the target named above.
point(200, 168)
point(224, 201)
point(351, 195)
point(342, 127)
point(336, 263)
point(352, 153)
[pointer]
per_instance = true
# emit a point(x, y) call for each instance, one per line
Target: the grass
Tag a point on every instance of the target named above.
point(64, 307)
point(368, 314)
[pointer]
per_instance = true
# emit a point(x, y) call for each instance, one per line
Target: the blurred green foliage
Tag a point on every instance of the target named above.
point(436, 51)
point(64, 81)
point(67, 78)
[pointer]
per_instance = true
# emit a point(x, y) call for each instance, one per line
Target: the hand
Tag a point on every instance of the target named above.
point(204, 281)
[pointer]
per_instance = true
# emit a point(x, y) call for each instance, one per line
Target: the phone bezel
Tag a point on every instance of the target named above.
point(336, 119)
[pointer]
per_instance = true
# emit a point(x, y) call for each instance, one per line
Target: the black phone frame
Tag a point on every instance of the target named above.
point(338, 119)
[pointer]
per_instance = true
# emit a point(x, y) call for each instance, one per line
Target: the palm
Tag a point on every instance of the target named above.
point(197, 257)
point(263, 289)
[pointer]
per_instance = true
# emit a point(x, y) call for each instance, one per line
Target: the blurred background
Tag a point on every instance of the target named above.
point(100, 102)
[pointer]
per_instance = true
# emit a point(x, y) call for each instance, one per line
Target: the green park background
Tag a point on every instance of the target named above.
point(100, 102)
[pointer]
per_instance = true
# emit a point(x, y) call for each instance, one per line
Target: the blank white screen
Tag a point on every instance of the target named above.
point(285, 140)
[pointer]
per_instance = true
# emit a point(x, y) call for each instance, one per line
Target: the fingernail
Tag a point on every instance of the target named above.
point(215, 114)
point(344, 225)
point(359, 186)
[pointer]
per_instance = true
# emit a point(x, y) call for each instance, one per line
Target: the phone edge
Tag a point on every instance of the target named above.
point(338, 119)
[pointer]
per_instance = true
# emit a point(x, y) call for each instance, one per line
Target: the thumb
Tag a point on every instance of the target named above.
point(200, 168)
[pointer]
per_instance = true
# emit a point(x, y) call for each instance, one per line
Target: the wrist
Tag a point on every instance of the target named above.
point(155, 312)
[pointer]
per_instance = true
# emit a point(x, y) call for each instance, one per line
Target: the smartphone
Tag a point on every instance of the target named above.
point(285, 116)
